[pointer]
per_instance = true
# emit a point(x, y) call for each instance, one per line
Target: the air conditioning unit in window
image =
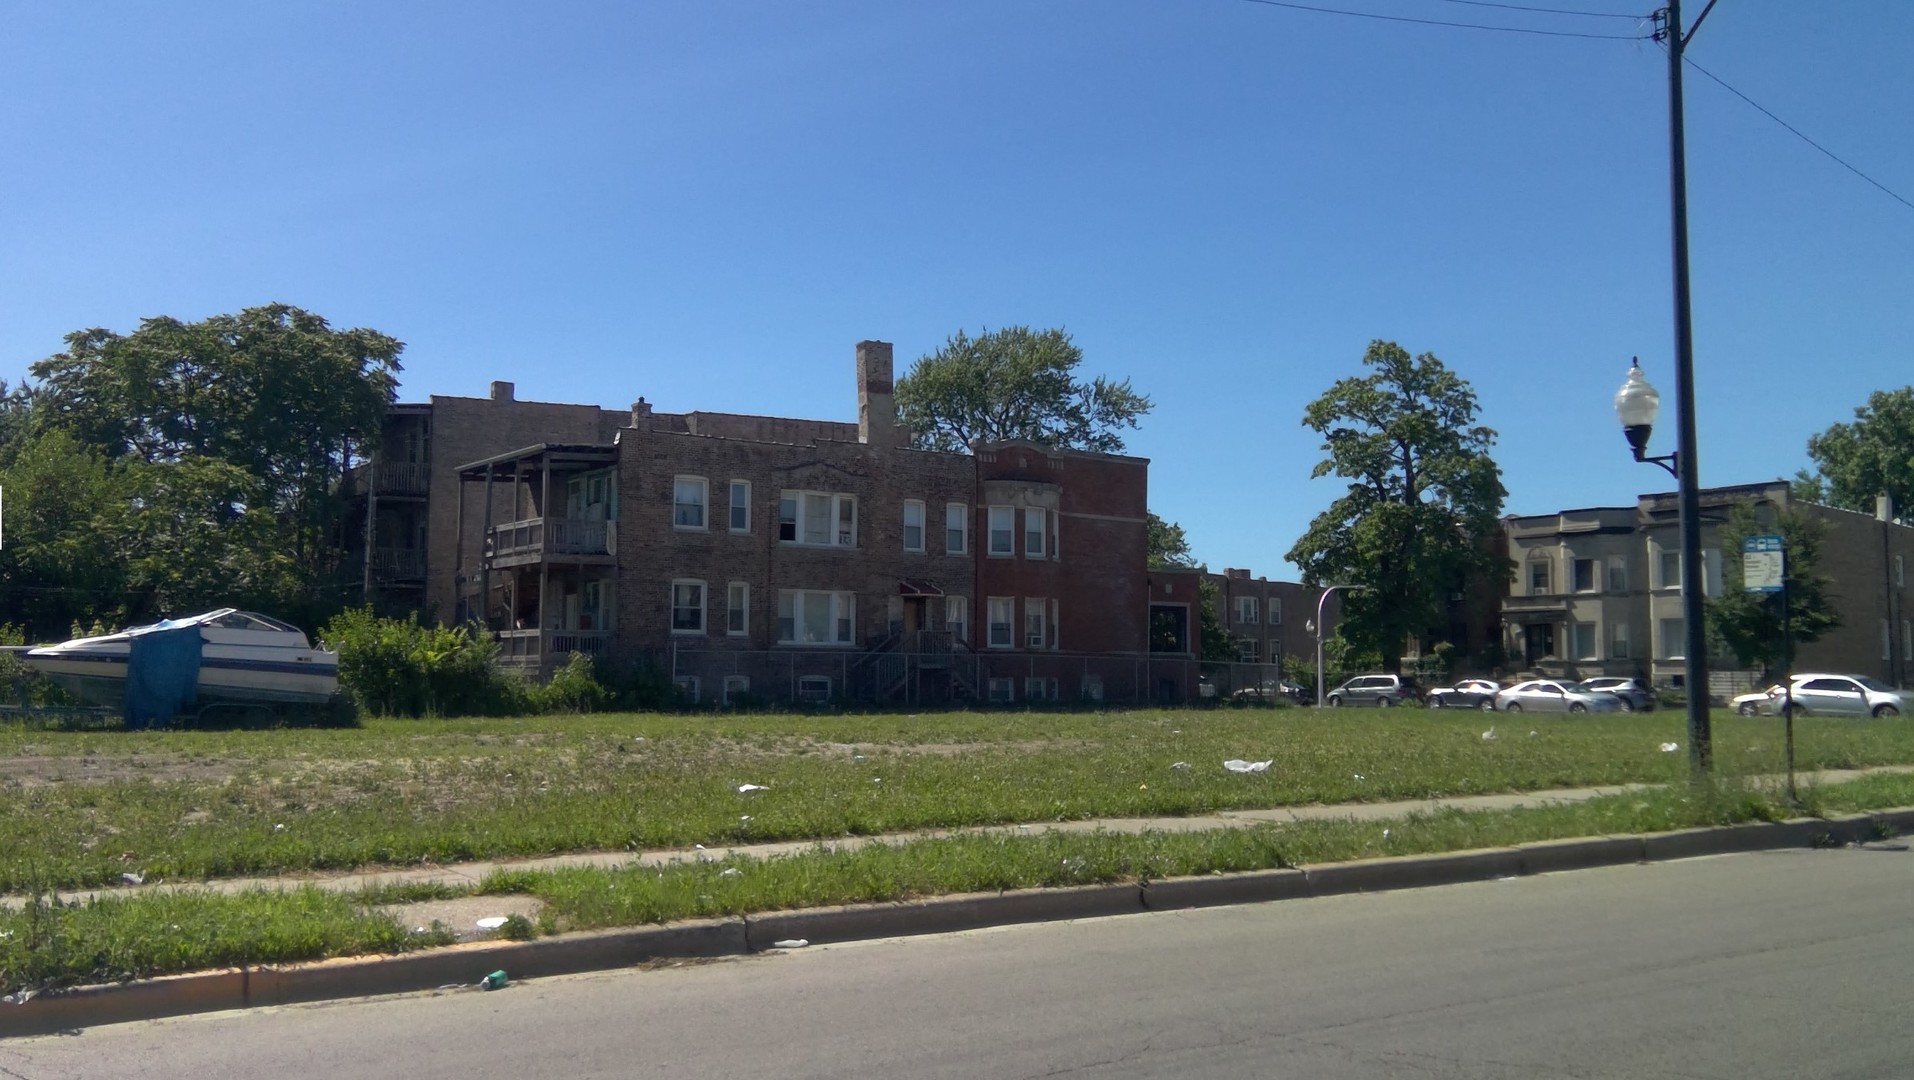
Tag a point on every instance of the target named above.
point(1034, 641)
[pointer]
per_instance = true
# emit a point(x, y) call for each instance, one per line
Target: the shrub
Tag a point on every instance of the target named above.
point(396, 667)
point(573, 688)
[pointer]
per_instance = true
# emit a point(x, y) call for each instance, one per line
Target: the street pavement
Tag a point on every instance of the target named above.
point(1777, 964)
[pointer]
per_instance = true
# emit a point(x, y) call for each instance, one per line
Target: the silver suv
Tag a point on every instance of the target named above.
point(1844, 695)
point(1383, 690)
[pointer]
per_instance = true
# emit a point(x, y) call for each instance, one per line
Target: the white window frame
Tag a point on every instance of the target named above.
point(739, 507)
point(1711, 584)
point(1576, 630)
point(679, 486)
point(1617, 574)
point(914, 506)
point(957, 619)
point(1092, 689)
point(1548, 576)
point(702, 604)
point(1246, 610)
point(1662, 559)
point(737, 609)
point(1618, 646)
point(1674, 648)
point(1275, 610)
point(1040, 518)
point(1249, 650)
point(1007, 686)
point(1007, 515)
point(814, 689)
point(1900, 575)
point(689, 686)
point(1006, 606)
point(1036, 613)
point(959, 513)
point(734, 685)
point(1594, 575)
point(841, 616)
point(1887, 639)
point(802, 503)
point(1039, 688)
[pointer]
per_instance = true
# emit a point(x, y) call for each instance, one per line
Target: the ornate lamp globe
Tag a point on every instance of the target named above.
point(1636, 404)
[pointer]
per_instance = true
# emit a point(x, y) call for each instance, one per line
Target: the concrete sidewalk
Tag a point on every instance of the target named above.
point(470, 874)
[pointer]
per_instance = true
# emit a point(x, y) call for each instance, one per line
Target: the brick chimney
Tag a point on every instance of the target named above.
point(876, 409)
point(640, 413)
point(501, 391)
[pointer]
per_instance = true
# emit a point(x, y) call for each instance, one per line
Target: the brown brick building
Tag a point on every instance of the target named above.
point(773, 558)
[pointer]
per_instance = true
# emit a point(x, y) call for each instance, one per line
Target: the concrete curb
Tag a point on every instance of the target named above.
point(463, 965)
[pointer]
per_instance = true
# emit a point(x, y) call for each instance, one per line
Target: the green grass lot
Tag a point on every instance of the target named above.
point(83, 808)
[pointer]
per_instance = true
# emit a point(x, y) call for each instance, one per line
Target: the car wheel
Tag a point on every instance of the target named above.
point(1576, 706)
point(1885, 710)
point(1793, 711)
point(1488, 706)
point(1386, 702)
point(1512, 707)
point(1627, 705)
point(1435, 703)
point(1335, 702)
point(1746, 708)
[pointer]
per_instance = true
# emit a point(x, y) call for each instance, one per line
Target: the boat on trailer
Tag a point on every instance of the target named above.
point(225, 656)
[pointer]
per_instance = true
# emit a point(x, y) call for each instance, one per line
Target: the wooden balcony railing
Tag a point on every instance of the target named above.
point(550, 536)
point(398, 564)
point(533, 645)
point(400, 478)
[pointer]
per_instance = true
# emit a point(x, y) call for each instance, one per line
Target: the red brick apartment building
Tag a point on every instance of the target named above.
point(776, 559)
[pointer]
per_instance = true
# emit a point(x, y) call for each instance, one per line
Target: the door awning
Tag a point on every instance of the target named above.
point(915, 587)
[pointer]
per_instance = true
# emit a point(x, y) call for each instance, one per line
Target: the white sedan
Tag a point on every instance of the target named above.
point(1551, 695)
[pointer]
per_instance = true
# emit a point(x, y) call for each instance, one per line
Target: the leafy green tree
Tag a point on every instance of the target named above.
point(272, 391)
point(1422, 504)
point(64, 558)
point(1750, 624)
point(203, 536)
point(1167, 546)
point(1014, 383)
point(1214, 642)
point(1874, 455)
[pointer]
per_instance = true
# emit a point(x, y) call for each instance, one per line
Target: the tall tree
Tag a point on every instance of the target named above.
point(1750, 624)
point(64, 559)
point(1872, 456)
point(273, 391)
point(1167, 546)
point(1423, 502)
point(1014, 383)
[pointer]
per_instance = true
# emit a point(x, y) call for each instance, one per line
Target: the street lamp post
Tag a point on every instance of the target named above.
point(1320, 601)
point(1636, 404)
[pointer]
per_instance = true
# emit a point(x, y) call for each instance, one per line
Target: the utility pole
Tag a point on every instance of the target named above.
point(1693, 573)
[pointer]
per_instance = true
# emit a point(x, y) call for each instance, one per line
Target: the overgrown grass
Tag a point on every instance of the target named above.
point(156, 933)
point(50, 944)
point(87, 807)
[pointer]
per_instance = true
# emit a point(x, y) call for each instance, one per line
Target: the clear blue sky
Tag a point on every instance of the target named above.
point(709, 203)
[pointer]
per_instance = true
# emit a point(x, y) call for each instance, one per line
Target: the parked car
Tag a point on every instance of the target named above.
point(1383, 690)
point(1760, 703)
point(1845, 695)
point(1635, 697)
point(1552, 695)
point(1270, 690)
point(1465, 694)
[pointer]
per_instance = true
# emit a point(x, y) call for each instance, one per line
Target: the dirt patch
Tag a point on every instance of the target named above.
point(461, 915)
point(46, 770)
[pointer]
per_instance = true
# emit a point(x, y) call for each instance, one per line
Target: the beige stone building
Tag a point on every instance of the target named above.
point(1597, 591)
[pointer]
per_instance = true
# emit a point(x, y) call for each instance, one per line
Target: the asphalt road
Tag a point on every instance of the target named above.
point(1786, 964)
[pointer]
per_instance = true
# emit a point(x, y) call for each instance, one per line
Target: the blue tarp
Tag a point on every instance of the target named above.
point(162, 672)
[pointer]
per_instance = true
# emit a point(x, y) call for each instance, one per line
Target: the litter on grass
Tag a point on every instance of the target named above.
point(742, 788)
point(1181, 765)
point(1669, 747)
point(1489, 735)
point(1239, 765)
point(133, 879)
point(729, 871)
point(491, 922)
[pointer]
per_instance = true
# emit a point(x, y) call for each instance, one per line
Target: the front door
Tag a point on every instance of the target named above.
point(1539, 643)
point(913, 614)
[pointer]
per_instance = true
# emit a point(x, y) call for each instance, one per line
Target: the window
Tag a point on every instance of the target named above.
point(1900, 579)
point(736, 689)
point(1249, 650)
point(1907, 639)
point(1672, 645)
point(1618, 640)
point(1000, 615)
point(814, 689)
point(1275, 610)
point(1585, 580)
point(815, 618)
point(1246, 610)
point(1710, 572)
point(1538, 577)
point(687, 607)
point(687, 502)
point(1887, 641)
point(956, 528)
point(1617, 574)
point(1003, 691)
point(687, 688)
point(1033, 531)
point(1033, 635)
point(740, 506)
point(817, 518)
point(913, 525)
point(1669, 566)
point(956, 616)
point(1003, 521)
point(1092, 688)
point(737, 609)
point(1039, 688)
point(1582, 638)
point(588, 497)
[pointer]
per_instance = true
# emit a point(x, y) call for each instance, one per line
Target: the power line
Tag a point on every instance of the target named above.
point(1546, 11)
point(1444, 22)
point(1836, 158)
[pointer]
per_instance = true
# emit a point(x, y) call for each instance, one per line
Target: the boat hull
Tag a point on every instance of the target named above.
point(101, 680)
